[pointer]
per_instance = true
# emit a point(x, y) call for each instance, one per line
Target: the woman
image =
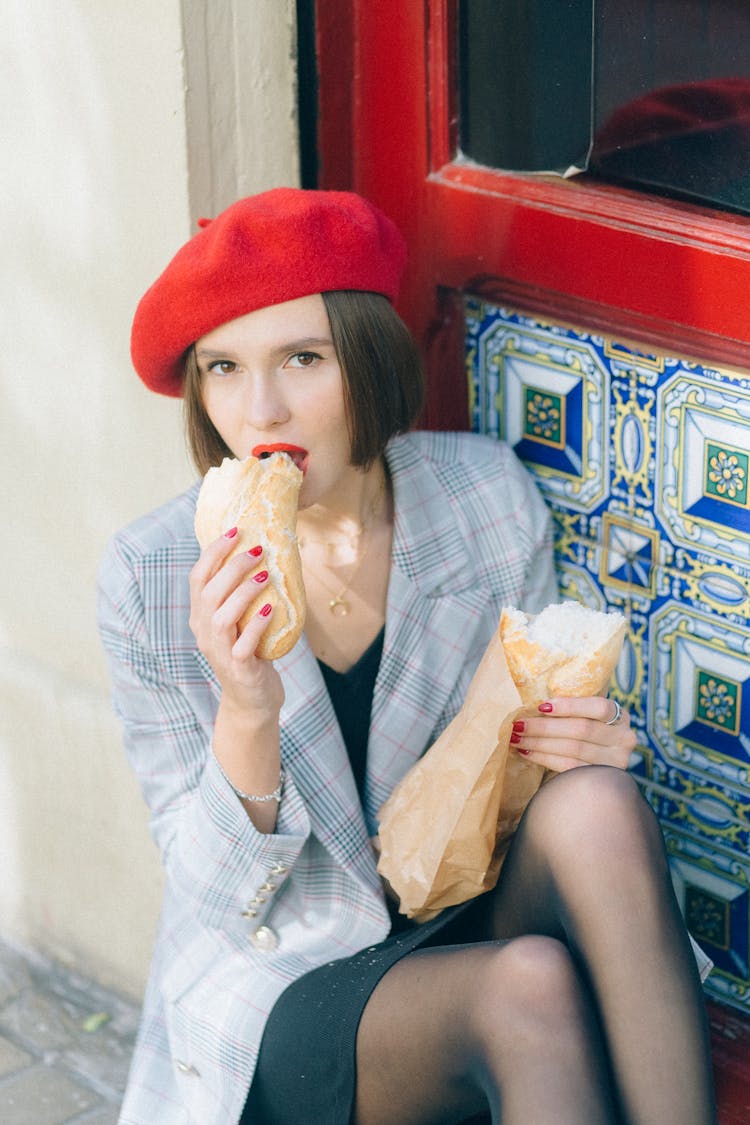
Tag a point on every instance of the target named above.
point(285, 987)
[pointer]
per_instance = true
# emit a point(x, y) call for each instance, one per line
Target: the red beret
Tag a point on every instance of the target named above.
point(263, 250)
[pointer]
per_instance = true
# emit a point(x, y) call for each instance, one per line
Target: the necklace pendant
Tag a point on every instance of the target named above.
point(339, 607)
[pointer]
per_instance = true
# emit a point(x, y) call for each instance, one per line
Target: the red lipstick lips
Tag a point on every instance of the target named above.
point(296, 452)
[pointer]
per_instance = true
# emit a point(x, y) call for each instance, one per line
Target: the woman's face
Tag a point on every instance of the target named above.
point(271, 378)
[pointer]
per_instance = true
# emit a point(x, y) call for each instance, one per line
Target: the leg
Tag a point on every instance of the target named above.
point(588, 866)
point(449, 1032)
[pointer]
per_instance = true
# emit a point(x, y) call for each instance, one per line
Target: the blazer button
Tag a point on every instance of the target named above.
point(264, 939)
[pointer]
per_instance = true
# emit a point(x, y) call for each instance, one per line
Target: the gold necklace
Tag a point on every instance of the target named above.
point(338, 605)
point(351, 541)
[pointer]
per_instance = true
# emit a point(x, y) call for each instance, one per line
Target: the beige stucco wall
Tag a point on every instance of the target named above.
point(121, 123)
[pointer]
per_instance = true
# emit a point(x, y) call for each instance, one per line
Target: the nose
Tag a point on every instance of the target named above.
point(265, 404)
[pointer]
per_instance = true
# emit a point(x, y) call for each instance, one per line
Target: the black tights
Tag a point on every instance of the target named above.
point(581, 1003)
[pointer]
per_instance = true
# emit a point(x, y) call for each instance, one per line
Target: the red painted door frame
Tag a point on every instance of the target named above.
point(670, 273)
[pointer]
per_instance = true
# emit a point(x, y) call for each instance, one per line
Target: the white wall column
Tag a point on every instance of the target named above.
point(122, 123)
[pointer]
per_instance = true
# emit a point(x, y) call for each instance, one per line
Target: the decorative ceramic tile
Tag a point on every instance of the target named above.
point(644, 461)
point(699, 694)
point(702, 475)
point(548, 393)
point(713, 889)
point(630, 552)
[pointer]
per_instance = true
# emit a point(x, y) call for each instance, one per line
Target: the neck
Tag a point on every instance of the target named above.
point(359, 502)
point(346, 551)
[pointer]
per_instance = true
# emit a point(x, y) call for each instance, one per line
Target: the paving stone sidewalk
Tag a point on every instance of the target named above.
point(65, 1045)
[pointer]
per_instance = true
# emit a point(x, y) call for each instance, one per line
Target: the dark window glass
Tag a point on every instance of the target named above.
point(525, 82)
point(652, 93)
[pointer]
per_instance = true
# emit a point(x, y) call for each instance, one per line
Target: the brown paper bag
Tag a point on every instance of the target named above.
point(446, 827)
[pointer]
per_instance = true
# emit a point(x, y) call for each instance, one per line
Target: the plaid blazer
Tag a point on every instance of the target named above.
point(245, 913)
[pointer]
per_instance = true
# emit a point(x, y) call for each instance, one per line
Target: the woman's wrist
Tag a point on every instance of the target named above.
point(245, 726)
point(247, 752)
point(255, 798)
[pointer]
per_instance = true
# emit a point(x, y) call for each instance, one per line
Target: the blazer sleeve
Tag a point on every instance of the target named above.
point(213, 856)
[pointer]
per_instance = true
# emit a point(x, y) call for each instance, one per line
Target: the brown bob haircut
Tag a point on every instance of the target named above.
point(382, 371)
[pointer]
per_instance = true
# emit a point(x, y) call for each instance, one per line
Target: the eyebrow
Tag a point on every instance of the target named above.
point(302, 345)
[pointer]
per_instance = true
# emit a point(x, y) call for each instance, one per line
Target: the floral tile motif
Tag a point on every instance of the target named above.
point(644, 461)
point(725, 474)
point(544, 418)
point(718, 701)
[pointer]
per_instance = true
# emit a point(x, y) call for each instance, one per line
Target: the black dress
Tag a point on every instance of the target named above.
point(306, 1067)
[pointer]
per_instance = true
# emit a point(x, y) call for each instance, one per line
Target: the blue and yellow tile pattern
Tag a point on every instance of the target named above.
point(644, 460)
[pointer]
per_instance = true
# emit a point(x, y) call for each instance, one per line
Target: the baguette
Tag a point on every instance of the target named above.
point(566, 650)
point(259, 497)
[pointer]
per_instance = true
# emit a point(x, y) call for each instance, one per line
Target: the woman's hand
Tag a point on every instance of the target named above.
point(246, 731)
point(565, 733)
point(219, 596)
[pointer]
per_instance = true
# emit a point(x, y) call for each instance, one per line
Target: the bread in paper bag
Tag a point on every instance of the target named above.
point(446, 827)
point(566, 650)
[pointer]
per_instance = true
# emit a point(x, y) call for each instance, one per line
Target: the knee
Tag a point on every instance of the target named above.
point(596, 808)
point(589, 785)
point(531, 991)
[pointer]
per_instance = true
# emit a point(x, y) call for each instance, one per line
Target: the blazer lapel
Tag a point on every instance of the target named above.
point(313, 749)
point(435, 609)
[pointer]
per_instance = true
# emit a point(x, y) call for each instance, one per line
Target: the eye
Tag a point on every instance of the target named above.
point(222, 367)
point(303, 359)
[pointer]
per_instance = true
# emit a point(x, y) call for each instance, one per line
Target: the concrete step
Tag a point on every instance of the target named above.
point(65, 1044)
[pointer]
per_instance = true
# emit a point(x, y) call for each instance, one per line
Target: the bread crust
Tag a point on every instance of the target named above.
point(543, 669)
point(260, 497)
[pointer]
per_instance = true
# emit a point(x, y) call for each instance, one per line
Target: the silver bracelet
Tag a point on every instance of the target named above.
point(275, 796)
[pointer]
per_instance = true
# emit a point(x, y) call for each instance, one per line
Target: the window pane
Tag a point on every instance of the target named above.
point(525, 89)
point(670, 110)
point(673, 98)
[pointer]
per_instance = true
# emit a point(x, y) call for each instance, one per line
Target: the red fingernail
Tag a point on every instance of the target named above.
point(515, 737)
point(545, 707)
point(264, 612)
point(255, 552)
point(519, 725)
point(231, 533)
point(261, 576)
point(524, 752)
